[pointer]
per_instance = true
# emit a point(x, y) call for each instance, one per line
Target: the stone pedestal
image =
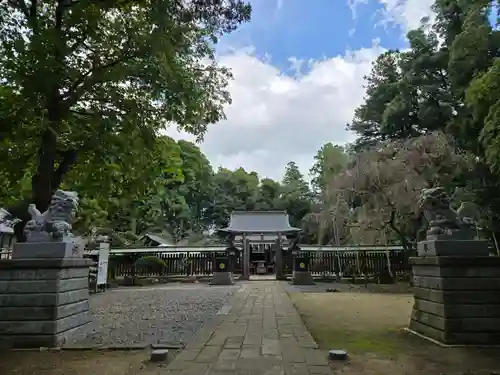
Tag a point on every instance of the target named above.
point(222, 274)
point(444, 247)
point(44, 300)
point(457, 298)
point(301, 274)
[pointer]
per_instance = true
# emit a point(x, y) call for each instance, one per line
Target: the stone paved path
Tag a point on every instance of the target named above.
point(261, 335)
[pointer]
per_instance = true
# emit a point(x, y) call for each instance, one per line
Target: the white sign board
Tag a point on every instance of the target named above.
point(102, 264)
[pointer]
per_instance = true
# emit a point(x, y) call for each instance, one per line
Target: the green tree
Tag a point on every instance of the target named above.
point(130, 189)
point(197, 187)
point(328, 162)
point(233, 190)
point(381, 89)
point(446, 81)
point(269, 194)
point(296, 197)
point(80, 76)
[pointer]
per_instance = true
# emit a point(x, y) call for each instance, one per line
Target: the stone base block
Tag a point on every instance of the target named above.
point(53, 340)
point(448, 337)
point(222, 278)
point(44, 302)
point(302, 278)
point(473, 248)
point(457, 299)
point(31, 250)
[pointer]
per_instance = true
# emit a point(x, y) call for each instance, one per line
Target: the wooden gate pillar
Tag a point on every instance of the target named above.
point(280, 266)
point(246, 258)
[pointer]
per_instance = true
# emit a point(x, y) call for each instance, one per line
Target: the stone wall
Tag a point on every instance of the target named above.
point(43, 302)
point(457, 299)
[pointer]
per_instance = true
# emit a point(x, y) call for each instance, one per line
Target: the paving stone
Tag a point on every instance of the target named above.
point(217, 339)
point(271, 346)
point(319, 370)
point(193, 368)
point(196, 345)
point(187, 355)
point(293, 354)
point(315, 357)
point(231, 354)
point(178, 365)
point(250, 352)
point(252, 340)
point(308, 344)
point(271, 334)
point(262, 335)
point(225, 364)
point(295, 368)
point(209, 354)
point(234, 342)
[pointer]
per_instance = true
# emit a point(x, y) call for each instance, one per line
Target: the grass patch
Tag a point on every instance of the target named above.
point(370, 328)
point(355, 322)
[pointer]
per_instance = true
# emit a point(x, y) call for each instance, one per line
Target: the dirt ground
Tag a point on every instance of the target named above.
point(370, 328)
point(73, 362)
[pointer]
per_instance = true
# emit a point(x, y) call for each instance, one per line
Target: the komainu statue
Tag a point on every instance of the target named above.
point(7, 221)
point(55, 223)
point(444, 222)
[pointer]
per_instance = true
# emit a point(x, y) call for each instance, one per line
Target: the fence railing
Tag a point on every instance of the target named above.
point(352, 263)
point(345, 263)
point(327, 261)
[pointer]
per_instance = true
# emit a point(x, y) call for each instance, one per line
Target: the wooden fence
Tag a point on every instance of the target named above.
point(352, 263)
point(349, 261)
point(321, 263)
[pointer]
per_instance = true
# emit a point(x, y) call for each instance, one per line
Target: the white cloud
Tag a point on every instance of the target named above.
point(275, 118)
point(406, 13)
point(353, 5)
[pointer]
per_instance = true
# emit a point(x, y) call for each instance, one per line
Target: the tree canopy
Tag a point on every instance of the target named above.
point(87, 89)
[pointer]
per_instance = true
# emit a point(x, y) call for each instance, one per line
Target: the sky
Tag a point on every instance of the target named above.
point(298, 70)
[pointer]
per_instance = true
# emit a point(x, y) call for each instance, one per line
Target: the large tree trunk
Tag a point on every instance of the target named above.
point(41, 183)
point(46, 181)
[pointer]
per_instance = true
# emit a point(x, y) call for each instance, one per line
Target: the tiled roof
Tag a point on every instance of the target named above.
point(259, 222)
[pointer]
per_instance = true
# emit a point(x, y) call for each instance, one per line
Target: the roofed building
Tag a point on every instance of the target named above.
point(262, 235)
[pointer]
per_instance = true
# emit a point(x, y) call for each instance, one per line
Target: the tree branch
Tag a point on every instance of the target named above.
point(81, 113)
point(81, 84)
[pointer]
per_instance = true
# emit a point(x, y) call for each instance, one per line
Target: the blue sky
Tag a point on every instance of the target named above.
point(313, 32)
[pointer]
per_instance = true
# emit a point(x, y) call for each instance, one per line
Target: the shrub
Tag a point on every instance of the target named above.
point(151, 264)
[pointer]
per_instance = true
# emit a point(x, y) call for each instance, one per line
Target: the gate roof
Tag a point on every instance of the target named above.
point(259, 222)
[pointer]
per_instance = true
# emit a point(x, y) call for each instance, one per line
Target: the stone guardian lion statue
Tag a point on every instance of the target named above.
point(444, 222)
point(55, 223)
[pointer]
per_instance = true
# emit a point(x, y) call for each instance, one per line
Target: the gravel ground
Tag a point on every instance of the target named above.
point(149, 315)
